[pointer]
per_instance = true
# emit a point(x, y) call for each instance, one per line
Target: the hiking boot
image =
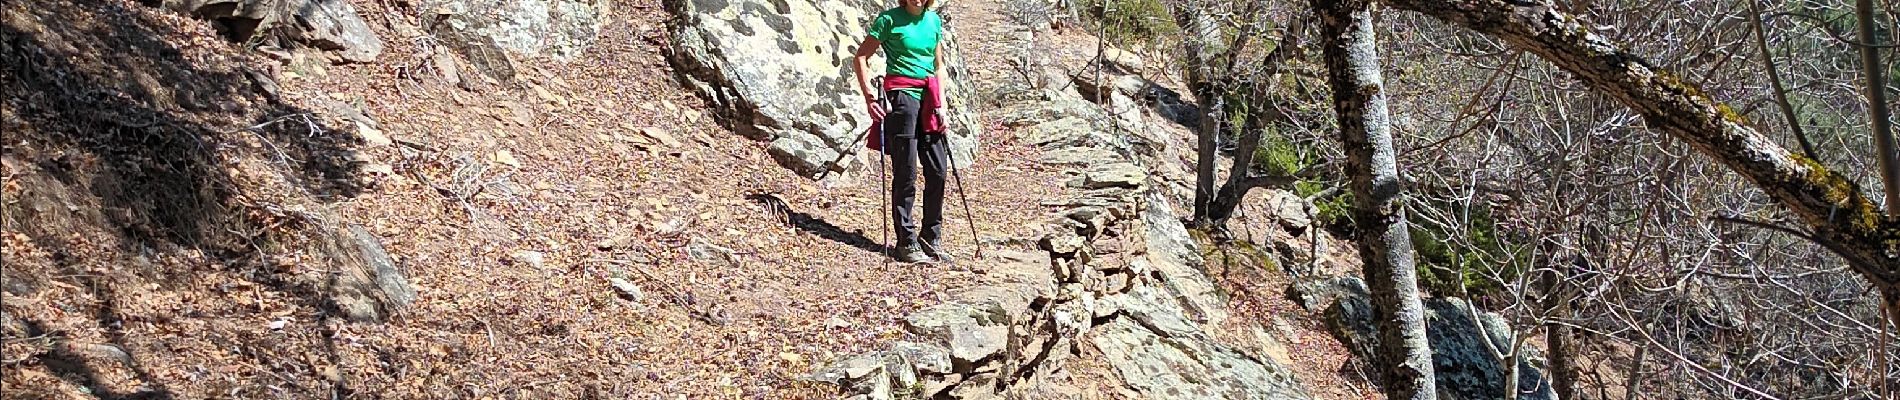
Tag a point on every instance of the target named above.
point(911, 254)
point(937, 252)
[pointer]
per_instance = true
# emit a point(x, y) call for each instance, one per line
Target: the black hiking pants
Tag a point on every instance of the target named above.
point(908, 146)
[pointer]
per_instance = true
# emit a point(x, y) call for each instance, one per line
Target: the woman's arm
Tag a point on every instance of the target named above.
point(861, 62)
point(937, 70)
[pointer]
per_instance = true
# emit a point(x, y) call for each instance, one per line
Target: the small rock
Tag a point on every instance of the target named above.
point(699, 250)
point(445, 68)
point(549, 97)
point(860, 367)
point(937, 385)
point(1115, 175)
point(791, 357)
point(925, 358)
point(1062, 243)
point(380, 169)
point(835, 323)
point(615, 242)
point(335, 25)
point(1077, 156)
point(371, 136)
point(278, 325)
point(977, 387)
point(505, 157)
point(370, 290)
point(534, 259)
point(661, 135)
point(627, 289)
point(1290, 210)
point(1127, 61)
point(971, 344)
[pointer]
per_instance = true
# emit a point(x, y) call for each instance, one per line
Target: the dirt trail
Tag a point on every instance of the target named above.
point(788, 298)
point(495, 203)
point(509, 207)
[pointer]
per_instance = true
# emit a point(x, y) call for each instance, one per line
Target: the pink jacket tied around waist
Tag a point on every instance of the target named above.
point(926, 109)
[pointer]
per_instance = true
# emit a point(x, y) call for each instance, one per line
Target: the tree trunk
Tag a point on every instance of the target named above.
point(1204, 44)
point(1839, 216)
point(1634, 378)
point(1877, 114)
point(1563, 379)
point(1261, 111)
point(1237, 185)
point(1359, 99)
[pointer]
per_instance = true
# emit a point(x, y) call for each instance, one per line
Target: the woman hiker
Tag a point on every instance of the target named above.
point(913, 133)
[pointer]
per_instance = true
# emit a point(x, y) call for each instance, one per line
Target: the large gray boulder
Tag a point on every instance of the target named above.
point(1462, 360)
point(491, 34)
point(325, 24)
point(780, 71)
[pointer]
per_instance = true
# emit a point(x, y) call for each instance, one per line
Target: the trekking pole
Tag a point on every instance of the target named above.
point(883, 185)
point(952, 155)
point(884, 207)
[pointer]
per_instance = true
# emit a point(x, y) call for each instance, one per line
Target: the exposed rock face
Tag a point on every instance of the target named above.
point(369, 287)
point(325, 24)
point(1114, 269)
point(1465, 367)
point(490, 34)
point(1166, 367)
point(334, 25)
point(781, 71)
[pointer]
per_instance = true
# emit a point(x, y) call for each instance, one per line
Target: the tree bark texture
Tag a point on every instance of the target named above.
point(1877, 112)
point(1837, 213)
point(1261, 111)
point(1557, 296)
point(1204, 44)
point(1359, 99)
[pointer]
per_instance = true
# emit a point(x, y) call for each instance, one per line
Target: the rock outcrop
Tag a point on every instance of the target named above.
point(325, 24)
point(493, 34)
point(1115, 270)
point(1465, 365)
point(781, 72)
point(368, 286)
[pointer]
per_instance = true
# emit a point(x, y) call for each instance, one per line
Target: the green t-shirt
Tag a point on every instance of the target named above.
point(909, 42)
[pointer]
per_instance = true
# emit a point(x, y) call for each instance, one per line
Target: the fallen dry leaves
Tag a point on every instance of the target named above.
point(604, 168)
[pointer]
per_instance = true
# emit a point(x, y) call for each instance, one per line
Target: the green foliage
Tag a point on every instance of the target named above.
point(1133, 21)
point(1331, 211)
point(1277, 156)
point(1444, 264)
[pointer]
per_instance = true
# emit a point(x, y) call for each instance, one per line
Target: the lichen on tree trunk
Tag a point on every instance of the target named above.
point(1359, 99)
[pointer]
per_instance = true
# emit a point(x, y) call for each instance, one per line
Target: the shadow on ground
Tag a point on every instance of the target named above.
point(784, 214)
point(112, 126)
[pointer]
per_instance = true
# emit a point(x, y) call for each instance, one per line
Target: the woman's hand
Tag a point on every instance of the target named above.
point(872, 107)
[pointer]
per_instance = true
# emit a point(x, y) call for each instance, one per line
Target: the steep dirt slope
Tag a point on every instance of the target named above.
point(508, 208)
